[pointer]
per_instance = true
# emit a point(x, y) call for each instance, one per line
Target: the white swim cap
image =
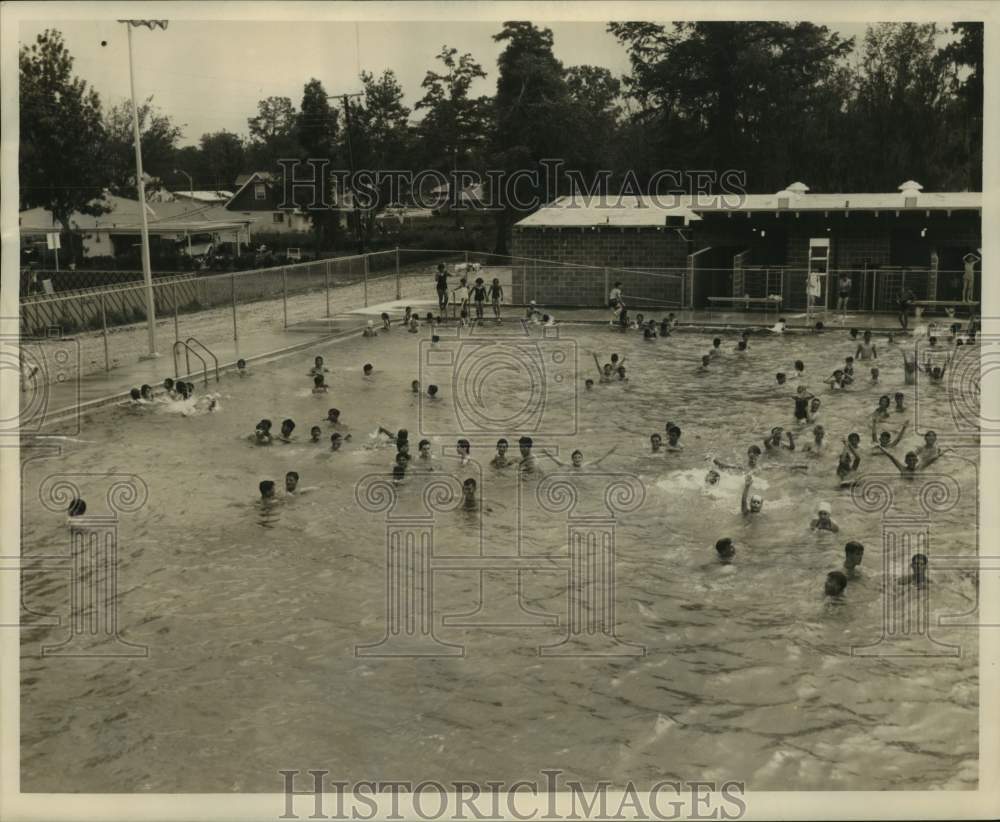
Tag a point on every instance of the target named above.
point(757, 498)
point(824, 506)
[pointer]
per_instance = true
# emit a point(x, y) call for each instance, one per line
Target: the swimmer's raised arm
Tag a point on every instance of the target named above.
point(896, 462)
point(552, 457)
point(899, 435)
point(601, 459)
point(597, 364)
point(744, 506)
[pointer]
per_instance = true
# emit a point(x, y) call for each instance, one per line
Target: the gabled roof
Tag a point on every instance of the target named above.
point(255, 177)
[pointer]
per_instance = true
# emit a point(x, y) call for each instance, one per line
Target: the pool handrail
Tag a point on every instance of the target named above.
point(208, 351)
point(187, 350)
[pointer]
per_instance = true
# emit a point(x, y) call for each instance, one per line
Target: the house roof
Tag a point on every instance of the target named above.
point(204, 196)
point(125, 217)
point(645, 210)
point(577, 211)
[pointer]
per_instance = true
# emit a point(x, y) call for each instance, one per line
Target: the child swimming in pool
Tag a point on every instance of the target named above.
point(835, 585)
point(716, 350)
point(318, 367)
point(750, 504)
point(854, 552)
point(823, 521)
point(500, 460)
point(885, 439)
point(576, 458)
point(725, 550)
point(266, 488)
point(315, 434)
point(287, 426)
point(866, 348)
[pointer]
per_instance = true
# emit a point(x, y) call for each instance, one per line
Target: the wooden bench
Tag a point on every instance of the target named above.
point(746, 302)
point(949, 306)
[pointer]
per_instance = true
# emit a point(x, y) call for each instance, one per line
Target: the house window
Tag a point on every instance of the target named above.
point(278, 217)
point(259, 191)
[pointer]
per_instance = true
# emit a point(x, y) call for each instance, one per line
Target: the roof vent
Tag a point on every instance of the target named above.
point(911, 190)
point(798, 188)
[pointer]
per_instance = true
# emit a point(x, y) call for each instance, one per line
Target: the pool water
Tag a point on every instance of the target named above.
point(252, 613)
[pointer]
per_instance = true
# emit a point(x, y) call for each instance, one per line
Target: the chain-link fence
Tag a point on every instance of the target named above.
point(226, 309)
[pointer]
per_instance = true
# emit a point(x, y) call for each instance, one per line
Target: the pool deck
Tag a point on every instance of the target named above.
point(68, 399)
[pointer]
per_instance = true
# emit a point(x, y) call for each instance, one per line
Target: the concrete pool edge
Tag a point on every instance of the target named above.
point(67, 412)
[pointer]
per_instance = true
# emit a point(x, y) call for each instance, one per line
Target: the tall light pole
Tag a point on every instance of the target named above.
point(191, 188)
point(147, 270)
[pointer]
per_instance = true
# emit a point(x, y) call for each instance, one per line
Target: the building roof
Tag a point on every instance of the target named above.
point(577, 211)
point(204, 196)
point(646, 210)
point(125, 217)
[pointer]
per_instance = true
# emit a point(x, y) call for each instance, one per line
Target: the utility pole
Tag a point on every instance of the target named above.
point(147, 271)
point(350, 160)
point(191, 189)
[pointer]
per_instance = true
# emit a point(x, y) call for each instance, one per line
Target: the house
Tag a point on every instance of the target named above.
point(757, 244)
point(118, 230)
point(259, 197)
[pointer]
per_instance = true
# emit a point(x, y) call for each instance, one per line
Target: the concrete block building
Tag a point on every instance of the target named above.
point(680, 250)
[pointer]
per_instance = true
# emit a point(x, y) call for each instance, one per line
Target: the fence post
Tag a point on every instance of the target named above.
point(104, 328)
point(326, 283)
point(177, 326)
point(284, 293)
point(399, 292)
point(236, 333)
point(366, 280)
point(607, 283)
point(466, 262)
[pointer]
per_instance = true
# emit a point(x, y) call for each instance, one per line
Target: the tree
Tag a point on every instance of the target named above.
point(317, 133)
point(594, 94)
point(963, 61)
point(455, 125)
point(223, 157)
point(532, 111)
point(158, 137)
point(377, 138)
point(736, 95)
point(272, 133)
point(62, 133)
point(898, 116)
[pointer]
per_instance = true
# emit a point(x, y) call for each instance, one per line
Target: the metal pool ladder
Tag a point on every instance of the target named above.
point(188, 351)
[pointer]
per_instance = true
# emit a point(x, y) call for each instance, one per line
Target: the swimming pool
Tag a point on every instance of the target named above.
point(253, 614)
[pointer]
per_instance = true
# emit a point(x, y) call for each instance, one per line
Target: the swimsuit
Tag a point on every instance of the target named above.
point(801, 408)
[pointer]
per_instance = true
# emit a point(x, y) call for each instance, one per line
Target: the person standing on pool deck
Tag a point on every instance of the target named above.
point(441, 283)
point(843, 292)
point(479, 297)
point(905, 301)
point(969, 278)
point(496, 297)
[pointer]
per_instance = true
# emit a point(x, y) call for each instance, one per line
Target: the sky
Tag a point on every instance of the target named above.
point(208, 76)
